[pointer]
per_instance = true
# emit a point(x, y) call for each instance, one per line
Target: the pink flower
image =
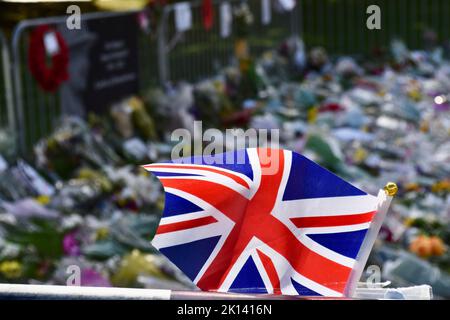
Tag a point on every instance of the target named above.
point(92, 278)
point(71, 246)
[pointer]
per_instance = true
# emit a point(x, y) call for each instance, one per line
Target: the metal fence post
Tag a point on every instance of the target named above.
point(163, 64)
point(296, 19)
point(20, 138)
point(8, 93)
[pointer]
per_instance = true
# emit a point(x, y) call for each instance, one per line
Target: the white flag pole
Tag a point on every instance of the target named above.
point(384, 200)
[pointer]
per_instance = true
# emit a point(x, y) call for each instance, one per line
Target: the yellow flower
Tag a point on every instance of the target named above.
point(134, 264)
point(11, 269)
point(95, 177)
point(441, 186)
point(409, 221)
point(412, 186)
point(42, 199)
point(218, 85)
point(415, 95)
point(312, 114)
point(101, 233)
point(135, 103)
point(360, 155)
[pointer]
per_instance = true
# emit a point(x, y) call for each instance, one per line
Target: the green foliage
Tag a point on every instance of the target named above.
point(41, 236)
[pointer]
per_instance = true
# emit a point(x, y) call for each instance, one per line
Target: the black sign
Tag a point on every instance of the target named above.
point(113, 60)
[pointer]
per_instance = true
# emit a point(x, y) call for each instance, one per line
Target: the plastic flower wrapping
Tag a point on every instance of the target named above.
point(83, 200)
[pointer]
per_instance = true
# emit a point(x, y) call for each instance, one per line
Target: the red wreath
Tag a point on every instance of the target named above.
point(49, 77)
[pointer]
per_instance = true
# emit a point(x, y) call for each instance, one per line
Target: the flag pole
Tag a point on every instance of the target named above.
point(385, 197)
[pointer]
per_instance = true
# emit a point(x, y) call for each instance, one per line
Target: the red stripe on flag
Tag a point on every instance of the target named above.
point(194, 223)
point(271, 272)
point(237, 179)
point(333, 221)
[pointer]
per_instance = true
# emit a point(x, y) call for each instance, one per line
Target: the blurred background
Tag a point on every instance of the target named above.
point(361, 87)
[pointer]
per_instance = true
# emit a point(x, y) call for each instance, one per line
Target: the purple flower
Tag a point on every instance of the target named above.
point(442, 106)
point(92, 278)
point(71, 246)
point(441, 103)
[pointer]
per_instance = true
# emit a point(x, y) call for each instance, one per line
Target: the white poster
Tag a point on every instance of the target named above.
point(287, 5)
point(226, 19)
point(183, 16)
point(51, 44)
point(266, 13)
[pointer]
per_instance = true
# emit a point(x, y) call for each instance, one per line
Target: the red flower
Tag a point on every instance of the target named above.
point(331, 107)
point(207, 14)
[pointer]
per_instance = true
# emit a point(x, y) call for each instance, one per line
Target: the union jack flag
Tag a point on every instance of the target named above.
point(276, 223)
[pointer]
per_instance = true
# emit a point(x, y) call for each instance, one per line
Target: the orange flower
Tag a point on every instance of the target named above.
point(437, 246)
point(421, 246)
point(412, 186)
point(441, 186)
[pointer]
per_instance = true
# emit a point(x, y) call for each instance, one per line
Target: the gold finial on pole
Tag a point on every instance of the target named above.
point(391, 189)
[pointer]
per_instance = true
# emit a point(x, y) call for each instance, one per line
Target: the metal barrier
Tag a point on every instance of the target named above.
point(6, 96)
point(337, 25)
point(38, 111)
point(196, 53)
point(54, 292)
